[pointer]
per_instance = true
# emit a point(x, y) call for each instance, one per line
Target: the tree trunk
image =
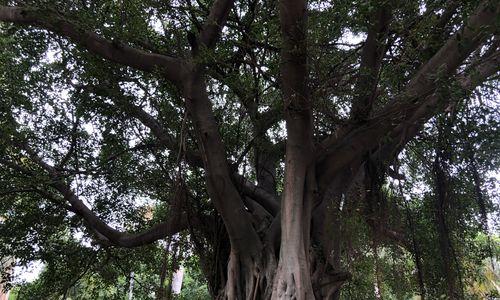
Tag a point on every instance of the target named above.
point(445, 246)
point(249, 278)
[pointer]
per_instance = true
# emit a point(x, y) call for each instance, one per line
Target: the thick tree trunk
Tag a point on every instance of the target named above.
point(249, 278)
point(293, 277)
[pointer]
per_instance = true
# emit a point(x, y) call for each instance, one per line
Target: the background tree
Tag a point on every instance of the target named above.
point(257, 131)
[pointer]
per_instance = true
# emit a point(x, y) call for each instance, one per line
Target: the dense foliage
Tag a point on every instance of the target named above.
point(82, 126)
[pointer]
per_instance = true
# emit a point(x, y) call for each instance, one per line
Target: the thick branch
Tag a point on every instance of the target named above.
point(455, 51)
point(353, 142)
point(193, 158)
point(114, 51)
point(221, 187)
point(116, 237)
point(407, 130)
point(265, 199)
point(371, 58)
point(112, 236)
point(216, 20)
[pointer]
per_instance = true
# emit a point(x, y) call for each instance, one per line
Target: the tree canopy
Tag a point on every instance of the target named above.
point(281, 149)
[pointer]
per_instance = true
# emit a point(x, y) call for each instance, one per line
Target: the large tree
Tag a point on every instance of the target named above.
point(265, 117)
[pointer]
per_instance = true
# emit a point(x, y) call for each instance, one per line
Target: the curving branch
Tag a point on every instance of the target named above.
point(453, 53)
point(261, 196)
point(218, 175)
point(407, 130)
point(167, 140)
point(339, 151)
point(194, 159)
point(171, 68)
point(106, 233)
point(113, 236)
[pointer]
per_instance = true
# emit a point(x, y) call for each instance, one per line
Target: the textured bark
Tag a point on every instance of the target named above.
point(221, 189)
point(293, 280)
point(249, 277)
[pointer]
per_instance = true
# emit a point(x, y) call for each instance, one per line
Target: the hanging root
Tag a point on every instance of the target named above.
point(249, 278)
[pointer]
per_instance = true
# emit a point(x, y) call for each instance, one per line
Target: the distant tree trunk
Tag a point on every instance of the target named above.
point(416, 253)
point(480, 199)
point(448, 258)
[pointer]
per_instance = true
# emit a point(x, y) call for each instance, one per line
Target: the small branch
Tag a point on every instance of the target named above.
point(72, 146)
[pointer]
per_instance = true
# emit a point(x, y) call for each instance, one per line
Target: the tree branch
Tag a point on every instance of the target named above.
point(407, 130)
point(216, 20)
point(220, 185)
point(171, 68)
point(110, 235)
point(371, 58)
point(192, 157)
point(265, 199)
point(339, 151)
point(455, 51)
